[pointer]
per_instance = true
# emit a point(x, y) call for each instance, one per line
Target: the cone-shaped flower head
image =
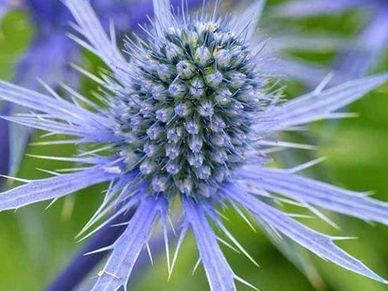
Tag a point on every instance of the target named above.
point(188, 117)
point(186, 112)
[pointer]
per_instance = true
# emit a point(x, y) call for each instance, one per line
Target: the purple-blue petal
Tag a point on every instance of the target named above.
point(127, 248)
point(320, 194)
point(52, 188)
point(218, 271)
point(318, 243)
point(75, 120)
point(317, 105)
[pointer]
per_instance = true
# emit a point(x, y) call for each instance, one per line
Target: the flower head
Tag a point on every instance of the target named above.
point(188, 117)
point(188, 106)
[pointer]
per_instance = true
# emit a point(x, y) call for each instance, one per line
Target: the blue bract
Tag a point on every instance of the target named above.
point(188, 118)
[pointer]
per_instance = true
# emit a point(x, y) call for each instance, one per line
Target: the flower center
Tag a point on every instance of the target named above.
point(190, 109)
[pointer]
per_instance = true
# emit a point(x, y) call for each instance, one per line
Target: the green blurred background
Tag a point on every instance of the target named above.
point(35, 244)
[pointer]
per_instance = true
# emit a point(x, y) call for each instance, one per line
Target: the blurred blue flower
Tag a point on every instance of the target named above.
point(359, 58)
point(4, 7)
point(190, 118)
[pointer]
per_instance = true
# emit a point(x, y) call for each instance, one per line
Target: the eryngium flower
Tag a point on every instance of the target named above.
point(188, 118)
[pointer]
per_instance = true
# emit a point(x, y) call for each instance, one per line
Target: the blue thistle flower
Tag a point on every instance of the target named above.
point(188, 117)
point(362, 56)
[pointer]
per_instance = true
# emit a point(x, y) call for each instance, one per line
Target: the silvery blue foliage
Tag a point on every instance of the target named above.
point(362, 56)
point(186, 115)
